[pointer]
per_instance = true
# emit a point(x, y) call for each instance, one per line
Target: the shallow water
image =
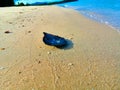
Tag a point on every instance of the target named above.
point(104, 11)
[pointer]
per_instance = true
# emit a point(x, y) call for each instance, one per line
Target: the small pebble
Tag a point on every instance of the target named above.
point(7, 32)
point(20, 72)
point(23, 25)
point(48, 52)
point(29, 31)
point(1, 68)
point(39, 62)
point(70, 64)
point(2, 48)
point(20, 12)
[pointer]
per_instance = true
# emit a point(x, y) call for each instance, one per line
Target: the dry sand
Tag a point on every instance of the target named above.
point(90, 62)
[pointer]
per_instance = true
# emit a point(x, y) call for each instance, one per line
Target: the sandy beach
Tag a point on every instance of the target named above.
point(91, 61)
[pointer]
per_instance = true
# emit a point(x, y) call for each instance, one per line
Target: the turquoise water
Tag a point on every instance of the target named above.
point(104, 11)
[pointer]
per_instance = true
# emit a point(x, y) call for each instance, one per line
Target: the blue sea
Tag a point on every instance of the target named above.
point(104, 11)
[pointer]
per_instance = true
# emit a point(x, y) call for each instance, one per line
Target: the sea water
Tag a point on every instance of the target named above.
point(104, 11)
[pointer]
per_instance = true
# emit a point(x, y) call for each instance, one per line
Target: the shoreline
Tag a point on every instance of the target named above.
point(94, 19)
point(91, 61)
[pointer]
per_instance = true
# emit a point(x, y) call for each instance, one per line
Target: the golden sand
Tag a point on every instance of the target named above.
point(90, 62)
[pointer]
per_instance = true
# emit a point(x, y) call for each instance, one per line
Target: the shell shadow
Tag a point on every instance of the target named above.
point(69, 45)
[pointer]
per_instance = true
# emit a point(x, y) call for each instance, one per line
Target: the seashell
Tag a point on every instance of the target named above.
point(54, 40)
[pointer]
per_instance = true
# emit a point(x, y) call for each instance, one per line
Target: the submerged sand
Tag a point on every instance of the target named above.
point(90, 62)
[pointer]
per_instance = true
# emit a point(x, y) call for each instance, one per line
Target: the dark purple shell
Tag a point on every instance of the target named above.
point(54, 40)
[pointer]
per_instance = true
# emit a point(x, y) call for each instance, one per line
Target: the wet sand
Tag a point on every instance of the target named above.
point(91, 61)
